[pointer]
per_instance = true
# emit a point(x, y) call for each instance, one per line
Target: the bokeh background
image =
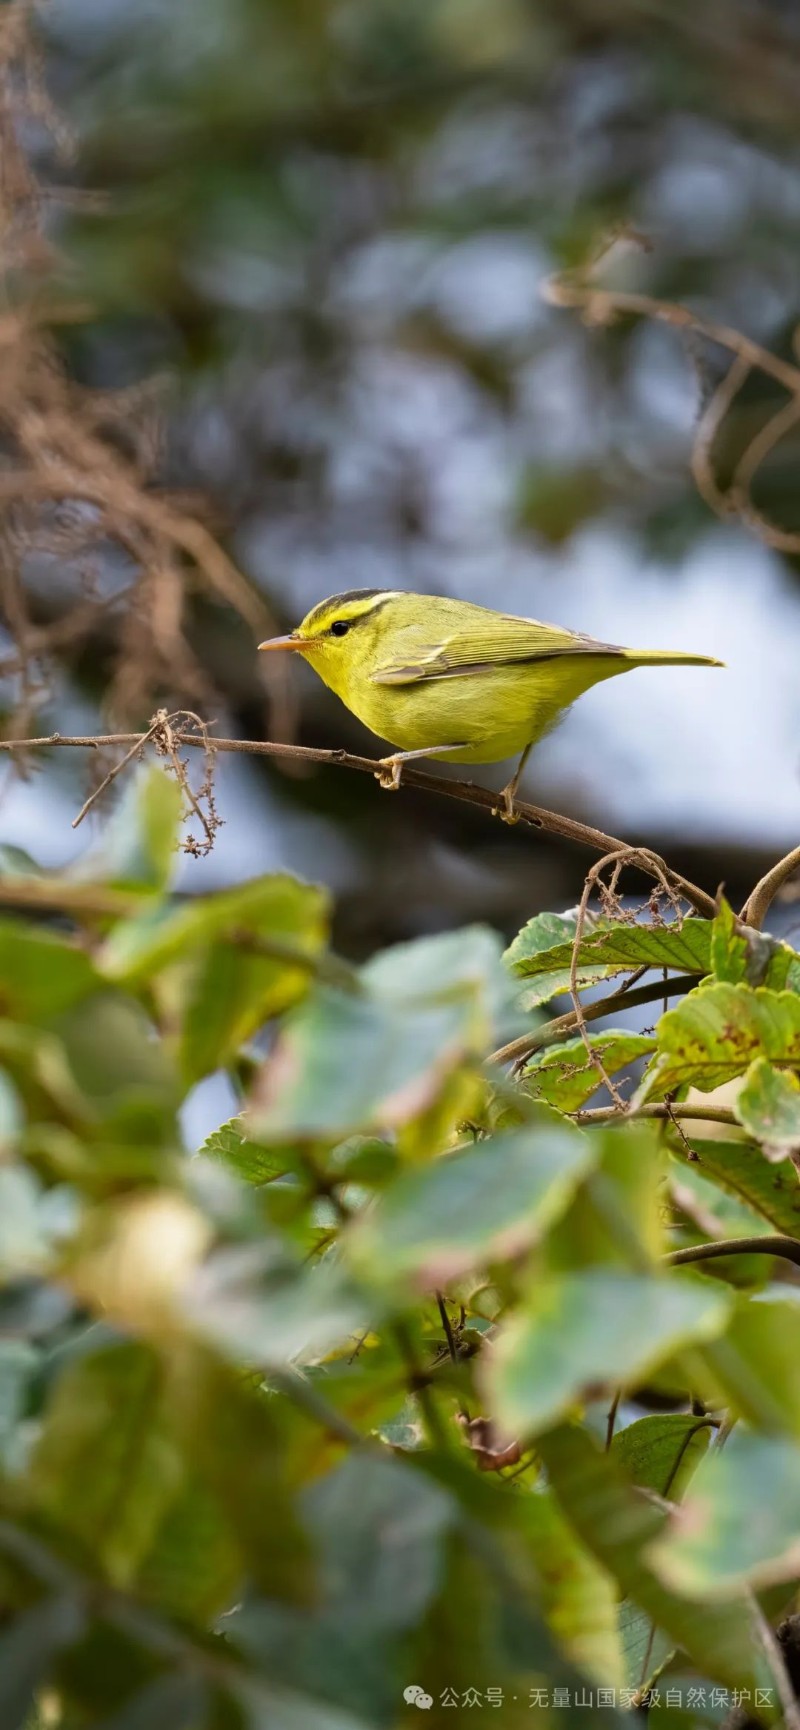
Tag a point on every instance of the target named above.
point(321, 228)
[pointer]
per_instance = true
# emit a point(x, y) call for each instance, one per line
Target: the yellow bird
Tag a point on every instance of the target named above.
point(445, 678)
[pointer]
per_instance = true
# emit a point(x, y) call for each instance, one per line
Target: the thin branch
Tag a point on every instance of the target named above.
point(562, 1026)
point(787, 1248)
point(760, 900)
point(537, 817)
point(670, 1112)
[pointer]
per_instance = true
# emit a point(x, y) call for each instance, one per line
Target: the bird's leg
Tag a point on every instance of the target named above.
point(391, 768)
point(508, 814)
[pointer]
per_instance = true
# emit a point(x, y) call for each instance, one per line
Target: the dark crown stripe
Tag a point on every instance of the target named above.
point(327, 609)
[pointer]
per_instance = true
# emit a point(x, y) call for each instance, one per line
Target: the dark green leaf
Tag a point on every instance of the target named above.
point(590, 1331)
point(176, 1702)
point(28, 1645)
point(543, 951)
point(564, 1075)
point(663, 1451)
point(481, 1202)
point(105, 1467)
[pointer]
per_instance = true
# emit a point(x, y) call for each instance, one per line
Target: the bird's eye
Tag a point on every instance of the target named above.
point(339, 627)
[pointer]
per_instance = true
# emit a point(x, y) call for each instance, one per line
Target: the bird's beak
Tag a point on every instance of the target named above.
point(290, 642)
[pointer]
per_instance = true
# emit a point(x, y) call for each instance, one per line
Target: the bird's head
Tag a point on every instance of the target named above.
point(341, 634)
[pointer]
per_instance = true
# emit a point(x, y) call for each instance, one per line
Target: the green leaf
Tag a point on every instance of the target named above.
point(756, 1363)
point(564, 1076)
point(579, 1597)
point(739, 1169)
point(480, 1203)
point(41, 974)
point(379, 1526)
point(740, 1524)
point(253, 1161)
point(619, 1526)
point(346, 1063)
point(28, 1645)
point(716, 1033)
point(469, 960)
point(105, 1467)
point(24, 1238)
point(259, 1308)
point(662, 1452)
point(171, 1702)
point(768, 1107)
point(194, 1567)
point(585, 1332)
point(279, 907)
point(19, 1362)
point(138, 845)
point(744, 956)
point(232, 1428)
point(543, 951)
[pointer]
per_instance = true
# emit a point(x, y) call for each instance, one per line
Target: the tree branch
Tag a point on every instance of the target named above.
point(760, 900)
point(536, 816)
point(563, 1025)
point(788, 1248)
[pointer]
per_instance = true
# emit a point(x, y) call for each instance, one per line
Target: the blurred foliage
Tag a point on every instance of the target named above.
point(329, 1409)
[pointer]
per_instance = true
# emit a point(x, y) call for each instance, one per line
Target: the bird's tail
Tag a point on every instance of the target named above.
point(667, 658)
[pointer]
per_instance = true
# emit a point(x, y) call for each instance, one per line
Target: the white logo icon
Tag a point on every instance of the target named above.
point(416, 1696)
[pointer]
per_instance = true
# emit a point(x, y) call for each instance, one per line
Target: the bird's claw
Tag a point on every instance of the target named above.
point(389, 774)
point(507, 812)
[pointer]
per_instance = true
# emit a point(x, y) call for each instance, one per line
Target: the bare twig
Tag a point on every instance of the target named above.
point(536, 816)
point(668, 1112)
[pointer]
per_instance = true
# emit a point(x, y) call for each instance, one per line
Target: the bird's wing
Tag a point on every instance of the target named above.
point(480, 645)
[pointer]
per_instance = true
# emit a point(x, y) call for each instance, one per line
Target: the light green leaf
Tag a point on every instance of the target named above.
point(743, 956)
point(619, 1525)
point(662, 1452)
point(24, 1239)
point(740, 1524)
point(138, 845)
point(41, 974)
point(590, 1331)
point(469, 960)
point(579, 1597)
point(254, 1161)
point(768, 1107)
point(279, 906)
point(345, 1063)
point(740, 1170)
point(564, 1076)
point(260, 1309)
point(715, 1034)
point(483, 1202)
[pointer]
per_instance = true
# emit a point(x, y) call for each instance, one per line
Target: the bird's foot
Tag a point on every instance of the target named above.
point(390, 773)
point(507, 812)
